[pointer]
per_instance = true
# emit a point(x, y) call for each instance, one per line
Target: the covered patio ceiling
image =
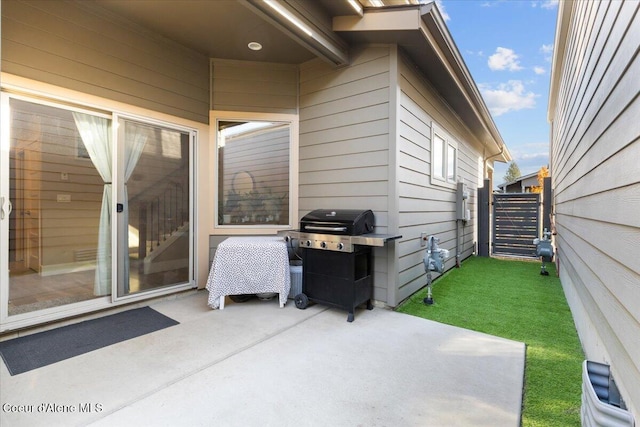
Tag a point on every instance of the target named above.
point(296, 31)
point(224, 28)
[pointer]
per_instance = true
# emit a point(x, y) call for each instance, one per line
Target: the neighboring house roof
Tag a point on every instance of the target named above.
point(525, 181)
point(299, 30)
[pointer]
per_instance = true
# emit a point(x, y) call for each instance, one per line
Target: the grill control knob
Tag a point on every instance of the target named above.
point(323, 245)
point(340, 246)
point(308, 243)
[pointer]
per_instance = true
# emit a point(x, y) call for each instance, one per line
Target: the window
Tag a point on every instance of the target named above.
point(256, 171)
point(451, 163)
point(444, 157)
point(438, 157)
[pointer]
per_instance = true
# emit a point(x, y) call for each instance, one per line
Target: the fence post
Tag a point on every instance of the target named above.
point(483, 219)
point(546, 203)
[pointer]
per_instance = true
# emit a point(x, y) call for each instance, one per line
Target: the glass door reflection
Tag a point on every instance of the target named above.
point(57, 192)
point(155, 220)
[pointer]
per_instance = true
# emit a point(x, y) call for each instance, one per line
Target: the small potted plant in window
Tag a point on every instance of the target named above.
point(255, 204)
point(273, 205)
point(231, 206)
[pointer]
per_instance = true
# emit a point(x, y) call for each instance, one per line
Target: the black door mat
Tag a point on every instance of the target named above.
point(30, 352)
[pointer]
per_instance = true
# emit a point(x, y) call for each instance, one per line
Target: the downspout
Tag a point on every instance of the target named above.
point(484, 172)
point(486, 159)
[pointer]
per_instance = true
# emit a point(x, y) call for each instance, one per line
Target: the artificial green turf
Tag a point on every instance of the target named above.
point(510, 299)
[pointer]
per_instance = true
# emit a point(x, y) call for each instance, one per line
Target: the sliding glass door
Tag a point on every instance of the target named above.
point(95, 207)
point(155, 232)
point(57, 196)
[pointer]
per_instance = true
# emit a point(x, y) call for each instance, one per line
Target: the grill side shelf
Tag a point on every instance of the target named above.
point(373, 239)
point(338, 242)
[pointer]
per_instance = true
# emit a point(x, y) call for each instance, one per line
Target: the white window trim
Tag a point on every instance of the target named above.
point(449, 141)
point(292, 119)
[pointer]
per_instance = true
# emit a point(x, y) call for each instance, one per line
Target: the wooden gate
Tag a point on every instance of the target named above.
point(516, 222)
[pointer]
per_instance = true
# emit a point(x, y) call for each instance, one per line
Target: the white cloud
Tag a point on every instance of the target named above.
point(442, 10)
point(529, 156)
point(549, 4)
point(510, 96)
point(534, 156)
point(547, 50)
point(545, 4)
point(533, 147)
point(539, 70)
point(472, 52)
point(504, 59)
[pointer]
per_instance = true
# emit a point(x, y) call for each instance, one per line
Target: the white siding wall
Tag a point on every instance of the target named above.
point(424, 207)
point(344, 143)
point(595, 165)
point(77, 46)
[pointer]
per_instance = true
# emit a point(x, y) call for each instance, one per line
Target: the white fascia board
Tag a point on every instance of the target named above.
point(387, 20)
point(565, 10)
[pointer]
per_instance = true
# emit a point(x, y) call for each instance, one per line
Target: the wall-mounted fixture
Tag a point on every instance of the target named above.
point(433, 260)
point(544, 250)
point(462, 195)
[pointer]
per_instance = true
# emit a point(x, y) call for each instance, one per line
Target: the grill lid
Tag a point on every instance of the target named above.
point(350, 222)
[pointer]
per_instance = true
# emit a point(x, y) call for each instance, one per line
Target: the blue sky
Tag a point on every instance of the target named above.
point(507, 46)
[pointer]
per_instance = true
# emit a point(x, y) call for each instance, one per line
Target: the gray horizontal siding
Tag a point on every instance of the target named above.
point(424, 207)
point(84, 48)
point(254, 87)
point(344, 142)
point(344, 126)
point(596, 176)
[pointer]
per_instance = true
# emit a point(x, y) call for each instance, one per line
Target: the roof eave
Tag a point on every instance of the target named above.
point(422, 33)
point(559, 47)
point(294, 20)
point(434, 21)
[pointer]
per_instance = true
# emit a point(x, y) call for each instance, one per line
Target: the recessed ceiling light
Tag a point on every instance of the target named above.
point(254, 46)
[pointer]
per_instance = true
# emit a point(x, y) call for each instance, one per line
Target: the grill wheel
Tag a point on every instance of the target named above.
point(301, 301)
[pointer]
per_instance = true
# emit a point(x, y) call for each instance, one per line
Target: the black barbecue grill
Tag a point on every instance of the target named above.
point(337, 261)
point(342, 222)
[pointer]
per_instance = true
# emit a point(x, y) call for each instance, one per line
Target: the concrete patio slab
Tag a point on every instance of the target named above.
point(255, 364)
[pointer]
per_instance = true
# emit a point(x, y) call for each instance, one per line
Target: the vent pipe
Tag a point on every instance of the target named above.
point(601, 402)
